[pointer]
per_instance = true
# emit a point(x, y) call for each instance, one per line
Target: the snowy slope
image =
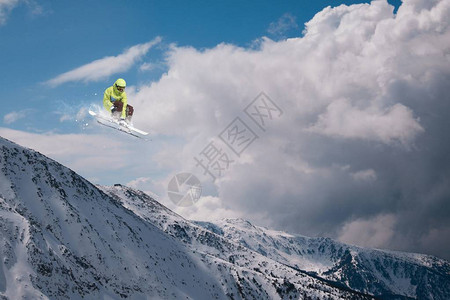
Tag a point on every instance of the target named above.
point(376, 272)
point(247, 267)
point(63, 238)
point(384, 274)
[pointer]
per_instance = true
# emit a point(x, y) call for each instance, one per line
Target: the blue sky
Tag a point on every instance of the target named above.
point(43, 39)
point(360, 153)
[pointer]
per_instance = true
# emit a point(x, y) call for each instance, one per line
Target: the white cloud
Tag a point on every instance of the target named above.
point(6, 6)
point(280, 27)
point(375, 232)
point(150, 186)
point(207, 208)
point(309, 76)
point(15, 116)
point(151, 66)
point(147, 67)
point(104, 67)
point(360, 82)
point(395, 123)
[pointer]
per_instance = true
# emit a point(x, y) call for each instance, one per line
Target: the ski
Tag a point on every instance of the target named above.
point(124, 128)
point(132, 128)
point(120, 129)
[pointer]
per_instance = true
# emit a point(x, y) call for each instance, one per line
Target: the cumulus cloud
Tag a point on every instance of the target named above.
point(362, 140)
point(208, 209)
point(362, 144)
point(396, 123)
point(104, 67)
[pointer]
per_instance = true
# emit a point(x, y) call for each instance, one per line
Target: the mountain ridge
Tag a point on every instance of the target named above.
point(332, 255)
point(64, 238)
point(342, 251)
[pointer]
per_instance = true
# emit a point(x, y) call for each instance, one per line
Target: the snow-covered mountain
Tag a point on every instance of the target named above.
point(64, 238)
point(386, 274)
point(382, 274)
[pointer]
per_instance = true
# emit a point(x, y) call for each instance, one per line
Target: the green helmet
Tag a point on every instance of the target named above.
point(120, 83)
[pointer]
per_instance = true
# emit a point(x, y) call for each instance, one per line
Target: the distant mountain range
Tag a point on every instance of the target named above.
point(65, 238)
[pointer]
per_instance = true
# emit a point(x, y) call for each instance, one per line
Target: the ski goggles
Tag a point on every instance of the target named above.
point(120, 88)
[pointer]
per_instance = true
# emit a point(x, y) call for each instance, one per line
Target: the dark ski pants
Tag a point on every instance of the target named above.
point(118, 105)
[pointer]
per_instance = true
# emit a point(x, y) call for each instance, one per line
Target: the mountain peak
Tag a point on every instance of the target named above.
point(62, 237)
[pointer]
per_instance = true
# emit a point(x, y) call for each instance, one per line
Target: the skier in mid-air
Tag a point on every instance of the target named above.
point(120, 112)
point(115, 102)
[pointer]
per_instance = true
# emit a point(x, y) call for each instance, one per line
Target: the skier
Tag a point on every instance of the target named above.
point(115, 102)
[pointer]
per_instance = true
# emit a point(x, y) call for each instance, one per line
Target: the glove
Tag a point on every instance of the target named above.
point(113, 109)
